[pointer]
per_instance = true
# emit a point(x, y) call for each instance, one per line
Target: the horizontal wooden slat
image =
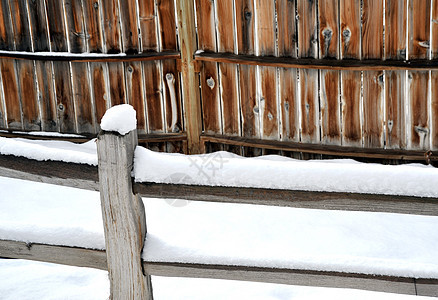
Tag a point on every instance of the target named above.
point(346, 151)
point(52, 172)
point(319, 64)
point(288, 198)
point(378, 283)
point(146, 56)
point(72, 256)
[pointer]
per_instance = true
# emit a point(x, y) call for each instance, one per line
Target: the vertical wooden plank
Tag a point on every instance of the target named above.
point(227, 72)
point(128, 9)
point(265, 11)
point(97, 71)
point(148, 25)
point(418, 81)
point(329, 80)
point(43, 69)
point(372, 48)
point(80, 72)
point(434, 77)
point(287, 46)
point(61, 70)
point(167, 19)
point(350, 17)
point(25, 68)
point(395, 81)
point(308, 47)
point(192, 104)
point(12, 101)
point(211, 106)
point(245, 16)
point(153, 96)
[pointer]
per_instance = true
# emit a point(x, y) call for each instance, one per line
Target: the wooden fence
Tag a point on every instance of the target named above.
point(343, 77)
point(125, 225)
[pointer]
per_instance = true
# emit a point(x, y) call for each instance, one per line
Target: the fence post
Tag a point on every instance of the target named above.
point(123, 216)
point(192, 104)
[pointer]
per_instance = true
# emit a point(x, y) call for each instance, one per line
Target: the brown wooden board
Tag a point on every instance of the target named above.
point(75, 26)
point(395, 87)
point(21, 25)
point(434, 109)
point(350, 18)
point(93, 25)
point(307, 47)
point(6, 31)
point(268, 110)
point(47, 98)
point(419, 29)
point(373, 81)
point(64, 97)
point(55, 21)
point(395, 29)
point(418, 127)
point(227, 72)
point(11, 93)
point(135, 93)
point(329, 80)
point(111, 26)
point(148, 25)
point(100, 89)
point(153, 97)
point(434, 30)
point(117, 83)
point(130, 30)
point(209, 78)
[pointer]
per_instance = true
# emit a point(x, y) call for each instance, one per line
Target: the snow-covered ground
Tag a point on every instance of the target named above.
point(383, 243)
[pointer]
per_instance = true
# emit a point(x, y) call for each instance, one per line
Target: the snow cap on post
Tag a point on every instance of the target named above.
point(120, 118)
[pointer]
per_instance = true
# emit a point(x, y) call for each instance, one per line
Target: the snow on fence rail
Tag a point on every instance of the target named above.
point(125, 224)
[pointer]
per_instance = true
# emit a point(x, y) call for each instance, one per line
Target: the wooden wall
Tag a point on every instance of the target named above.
point(385, 109)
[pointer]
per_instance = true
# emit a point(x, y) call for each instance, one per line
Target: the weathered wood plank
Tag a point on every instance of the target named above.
point(111, 26)
point(350, 17)
point(11, 93)
point(419, 29)
point(6, 31)
point(55, 23)
point(92, 19)
point(308, 47)
point(64, 97)
point(52, 172)
point(434, 110)
point(71, 256)
point(395, 29)
point(148, 25)
point(434, 30)
point(135, 93)
point(419, 124)
point(123, 217)
point(227, 72)
point(288, 198)
point(330, 150)
point(153, 97)
point(266, 45)
point(117, 88)
point(390, 284)
point(395, 82)
point(130, 30)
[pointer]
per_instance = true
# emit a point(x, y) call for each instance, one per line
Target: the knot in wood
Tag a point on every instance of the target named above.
point(210, 82)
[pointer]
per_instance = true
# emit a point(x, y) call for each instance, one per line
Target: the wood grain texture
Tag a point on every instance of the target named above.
point(350, 16)
point(116, 74)
point(419, 29)
point(434, 30)
point(288, 198)
point(419, 124)
point(55, 23)
point(395, 98)
point(64, 97)
point(93, 24)
point(268, 108)
point(395, 29)
point(148, 25)
point(389, 284)
point(71, 256)
point(123, 217)
point(6, 31)
point(28, 95)
point(372, 29)
point(12, 98)
point(130, 30)
point(111, 26)
point(373, 116)
point(75, 25)
point(135, 93)
point(434, 109)
point(154, 104)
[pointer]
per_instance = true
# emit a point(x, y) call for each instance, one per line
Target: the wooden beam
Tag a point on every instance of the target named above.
point(319, 64)
point(288, 198)
point(190, 79)
point(53, 172)
point(123, 216)
point(42, 56)
point(64, 255)
point(389, 284)
point(426, 156)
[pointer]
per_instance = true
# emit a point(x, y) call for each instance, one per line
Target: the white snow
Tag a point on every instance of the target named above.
point(44, 213)
point(44, 133)
point(43, 150)
point(120, 118)
point(277, 172)
point(359, 242)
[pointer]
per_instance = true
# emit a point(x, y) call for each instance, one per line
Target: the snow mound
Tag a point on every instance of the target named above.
point(119, 118)
point(274, 172)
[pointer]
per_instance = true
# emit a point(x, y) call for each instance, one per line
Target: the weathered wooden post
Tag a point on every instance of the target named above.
point(123, 216)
